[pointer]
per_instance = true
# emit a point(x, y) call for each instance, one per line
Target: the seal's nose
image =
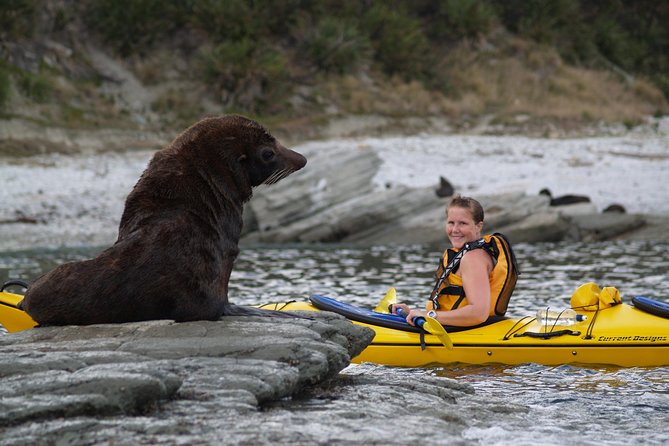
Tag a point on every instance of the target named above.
point(301, 160)
point(296, 160)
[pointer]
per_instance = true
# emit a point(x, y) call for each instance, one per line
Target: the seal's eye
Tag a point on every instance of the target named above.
point(267, 155)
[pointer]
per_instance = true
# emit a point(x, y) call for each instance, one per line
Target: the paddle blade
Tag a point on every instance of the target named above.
point(433, 326)
point(388, 299)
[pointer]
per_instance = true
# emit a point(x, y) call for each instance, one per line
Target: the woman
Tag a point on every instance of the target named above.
point(476, 277)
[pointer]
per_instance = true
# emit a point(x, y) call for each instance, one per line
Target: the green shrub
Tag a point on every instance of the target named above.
point(662, 82)
point(5, 86)
point(628, 34)
point(238, 19)
point(35, 86)
point(249, 74)
point(17, 18)
point(400, 46)
point(335, 46)
point(223, 20)
point(131, 25)
point(457, 19)
point(543, 21)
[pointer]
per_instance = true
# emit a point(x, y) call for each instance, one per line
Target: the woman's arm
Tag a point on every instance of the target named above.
point(475, 268)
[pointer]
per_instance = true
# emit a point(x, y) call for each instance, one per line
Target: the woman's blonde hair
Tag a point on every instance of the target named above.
point(473, 206)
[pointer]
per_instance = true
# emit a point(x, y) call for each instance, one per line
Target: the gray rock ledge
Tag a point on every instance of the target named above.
point(132, 369)
point(337, 200)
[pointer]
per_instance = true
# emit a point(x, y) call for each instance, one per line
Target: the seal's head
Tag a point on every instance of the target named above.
point(241, 144)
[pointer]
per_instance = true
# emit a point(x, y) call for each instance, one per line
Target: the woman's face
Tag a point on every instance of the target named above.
point(460, 227)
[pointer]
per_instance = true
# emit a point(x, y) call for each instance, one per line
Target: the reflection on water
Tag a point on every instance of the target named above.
point(566, 405)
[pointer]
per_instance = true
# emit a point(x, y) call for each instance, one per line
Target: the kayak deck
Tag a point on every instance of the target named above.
point(14, 319)
point(621, 335)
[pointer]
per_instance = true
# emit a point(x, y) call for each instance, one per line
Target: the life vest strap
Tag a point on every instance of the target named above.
point(452, 266)
point(497, 247)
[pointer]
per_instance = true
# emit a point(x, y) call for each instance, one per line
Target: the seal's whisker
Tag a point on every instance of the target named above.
point(285, 173)
point(270, 179)
point(277, 176)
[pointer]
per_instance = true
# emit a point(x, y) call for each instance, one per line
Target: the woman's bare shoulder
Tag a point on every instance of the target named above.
point(476, 258)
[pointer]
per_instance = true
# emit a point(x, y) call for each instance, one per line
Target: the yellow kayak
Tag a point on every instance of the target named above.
point(11, 317)
point(621, 335)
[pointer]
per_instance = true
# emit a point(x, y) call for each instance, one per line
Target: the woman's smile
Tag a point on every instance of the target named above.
point(461, 228)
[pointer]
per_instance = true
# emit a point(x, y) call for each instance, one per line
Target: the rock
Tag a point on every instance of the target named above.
point(419, 226)
point(334, 177)
point(540, 227)
point(575, 209)
point(656, 227)
point(339, 198)
point(607, 226)
point(506, 209)
point(353, 220)
point(337, 202)
point(129, 369)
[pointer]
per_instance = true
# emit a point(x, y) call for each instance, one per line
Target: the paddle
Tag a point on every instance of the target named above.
point(389, 299)
point(432, 326)
point(428, 324)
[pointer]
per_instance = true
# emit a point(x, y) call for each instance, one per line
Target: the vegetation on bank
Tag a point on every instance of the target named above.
point(283, 57)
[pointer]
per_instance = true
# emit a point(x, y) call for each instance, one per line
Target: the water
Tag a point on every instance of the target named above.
point(526, 404)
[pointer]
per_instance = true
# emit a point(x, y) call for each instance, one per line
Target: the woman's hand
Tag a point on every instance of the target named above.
point(408, 311)
point(414, 314)
point(405, 308)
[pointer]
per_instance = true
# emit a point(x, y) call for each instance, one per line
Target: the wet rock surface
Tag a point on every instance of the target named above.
point(358, 405)
point(128, 381)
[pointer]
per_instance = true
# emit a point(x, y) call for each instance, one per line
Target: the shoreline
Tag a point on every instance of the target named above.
point(76, 198)
point(23, 138)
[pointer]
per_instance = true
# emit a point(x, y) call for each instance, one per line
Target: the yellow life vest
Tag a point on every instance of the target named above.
point(448, 292)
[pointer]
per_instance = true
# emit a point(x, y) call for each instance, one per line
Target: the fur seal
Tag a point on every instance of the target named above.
point(178, 236)
point(564, 199)
point(615, 208)
point(445, 188)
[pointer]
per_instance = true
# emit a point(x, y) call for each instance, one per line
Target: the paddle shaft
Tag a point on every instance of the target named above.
point(418, 320)
point(431, 326)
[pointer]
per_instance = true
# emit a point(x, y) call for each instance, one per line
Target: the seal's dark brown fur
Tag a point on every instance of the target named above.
point(178, 234)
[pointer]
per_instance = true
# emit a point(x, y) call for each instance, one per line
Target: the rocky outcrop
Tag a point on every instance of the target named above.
point(350, 192)
point(130, 369)
point(337, 200)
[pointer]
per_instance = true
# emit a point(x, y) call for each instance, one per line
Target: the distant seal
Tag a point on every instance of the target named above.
point(564, 200)
point(615, 208)
point(178, 234)
point(445, 188)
